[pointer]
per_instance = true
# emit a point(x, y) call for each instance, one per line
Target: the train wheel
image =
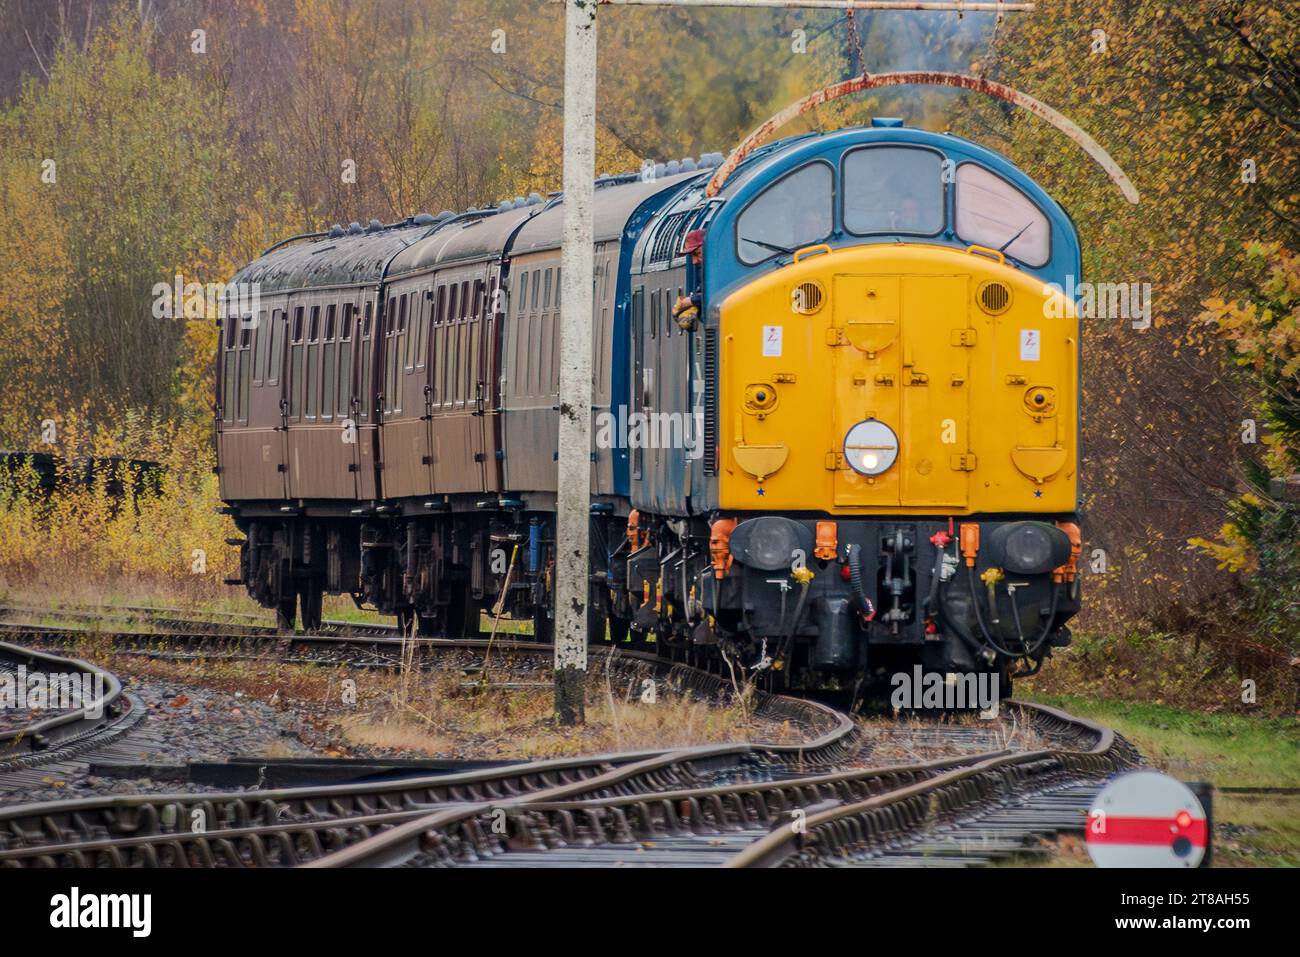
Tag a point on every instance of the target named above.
point(596, 619)
point(618, 628)
point(462, 614)
point(543, 626)
point(286, 612)
point(1006, 687)
point(310, 596)
point(405, 616)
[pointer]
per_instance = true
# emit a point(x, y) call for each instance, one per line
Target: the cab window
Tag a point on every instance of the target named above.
point(993, 213)
point(893, 189)
point(795, 211)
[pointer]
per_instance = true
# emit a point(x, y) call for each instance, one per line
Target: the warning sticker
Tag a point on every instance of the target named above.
point(772, 340)
point(1031, 342)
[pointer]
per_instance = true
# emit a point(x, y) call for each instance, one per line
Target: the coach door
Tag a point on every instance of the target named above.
point(363, 401)
point(488, 388)
point(273, 449)
point(405, 425)
point(457, 385)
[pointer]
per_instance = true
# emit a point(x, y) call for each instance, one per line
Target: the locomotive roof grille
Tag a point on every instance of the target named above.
point(668, 239)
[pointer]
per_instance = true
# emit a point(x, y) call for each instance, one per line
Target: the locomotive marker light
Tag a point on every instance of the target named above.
point(870, 447)
point(573, 479)
point(1147, 819)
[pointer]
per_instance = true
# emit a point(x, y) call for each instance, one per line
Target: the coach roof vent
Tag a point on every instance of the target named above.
point(422, 219)
point(336, 231)
point(375, 226)
point(354, 229)
point(445, 215)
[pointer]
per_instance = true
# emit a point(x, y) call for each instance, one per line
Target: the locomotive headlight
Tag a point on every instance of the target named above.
point(870, 447)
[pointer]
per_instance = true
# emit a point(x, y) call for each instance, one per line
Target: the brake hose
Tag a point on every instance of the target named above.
point(979, 617)
point(1047, 625)
point(855, 580)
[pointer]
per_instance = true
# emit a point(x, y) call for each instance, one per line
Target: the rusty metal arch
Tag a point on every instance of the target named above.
point(961, 81)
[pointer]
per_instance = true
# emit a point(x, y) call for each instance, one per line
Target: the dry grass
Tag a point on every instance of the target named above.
point(449, 713)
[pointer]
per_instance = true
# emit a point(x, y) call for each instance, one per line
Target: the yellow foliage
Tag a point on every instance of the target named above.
point(174, 537)
point(1233, 552)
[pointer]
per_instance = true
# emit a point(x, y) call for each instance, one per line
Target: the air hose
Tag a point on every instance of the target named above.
point(1047, 625)
point(855, 581)
point(979, 617)
point(788, 635)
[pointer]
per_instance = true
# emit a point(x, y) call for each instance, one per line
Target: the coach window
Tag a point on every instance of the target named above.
point(327, 364)
point(555, 337)
point(466, 334)
point(795, 211)
point(893, 189)
point(345, 360)
point(275, 359)
point(449, 344)
point(472, 370)
point(261, 340)
point(386, 362)
point(229, 367)
point(365, 377)
point(993, 213)
point(424, 297)
point(476, 318)
point(407, 330)
point(295, 365)
point(313, 359)
point(245, 372)
point(435, 348)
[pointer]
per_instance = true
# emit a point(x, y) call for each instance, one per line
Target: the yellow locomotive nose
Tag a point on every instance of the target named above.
point(914, 379)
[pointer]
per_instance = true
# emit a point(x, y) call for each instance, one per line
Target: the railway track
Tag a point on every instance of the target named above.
point(726, 823)
point(739, 805)
point(297, 825)
point(954, 810)
point(80, 706)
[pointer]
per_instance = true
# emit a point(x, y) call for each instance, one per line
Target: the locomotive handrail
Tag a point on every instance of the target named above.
point(809, 250)
point(975, 249)
point(868, 81)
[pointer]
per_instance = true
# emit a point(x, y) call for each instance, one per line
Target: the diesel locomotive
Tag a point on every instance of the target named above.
point(859, 453)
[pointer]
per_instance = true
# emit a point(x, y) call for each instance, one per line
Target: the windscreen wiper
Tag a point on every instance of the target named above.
point(1003, 247)
point(765, 245)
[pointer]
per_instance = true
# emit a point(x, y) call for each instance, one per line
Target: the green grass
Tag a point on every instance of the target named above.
point(1231, 750)
point(1228, 750)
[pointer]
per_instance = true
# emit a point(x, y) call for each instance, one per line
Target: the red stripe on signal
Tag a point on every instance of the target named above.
point(1146, 830)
